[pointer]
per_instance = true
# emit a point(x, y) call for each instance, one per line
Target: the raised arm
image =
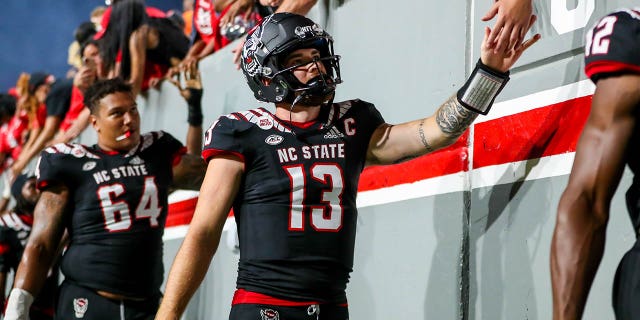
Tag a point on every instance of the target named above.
point(189, 172)
point(138, 43)
point(190, 265)
point(583, 211)
point(393, 143)
point(40, 251)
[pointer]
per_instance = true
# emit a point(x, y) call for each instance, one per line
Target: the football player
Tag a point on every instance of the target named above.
point(112, 198)
point(609, 141)
point(15, 227)
point(292, 176)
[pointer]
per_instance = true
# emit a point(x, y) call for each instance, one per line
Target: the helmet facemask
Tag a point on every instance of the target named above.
point(269, 45)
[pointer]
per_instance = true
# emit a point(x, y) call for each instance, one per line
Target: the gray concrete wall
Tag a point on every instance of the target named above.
point(478, 253)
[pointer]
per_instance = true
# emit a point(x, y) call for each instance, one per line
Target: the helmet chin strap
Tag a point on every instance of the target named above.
point(296, 100)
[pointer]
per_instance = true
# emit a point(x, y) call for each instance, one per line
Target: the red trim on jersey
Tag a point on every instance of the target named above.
point(210, 153)
point(240, 116)
point(303, 125)
point(242, 296)
point(26, 218)
point(4, 248)
point(42, 184)
point(177, 157)
point(608, 66)
point(532, 134)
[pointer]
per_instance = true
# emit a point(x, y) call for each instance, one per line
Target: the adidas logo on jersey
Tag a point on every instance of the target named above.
point(333, 134)
point(136, 160)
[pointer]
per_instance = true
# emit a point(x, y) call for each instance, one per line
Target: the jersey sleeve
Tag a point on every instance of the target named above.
point(50, 168)
point(612, 46)
point(373, 117)
point(224, 137)
point(172, 146)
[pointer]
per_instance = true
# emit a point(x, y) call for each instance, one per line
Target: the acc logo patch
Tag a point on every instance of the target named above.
point(80, 306)
point(269, 314)
point(88, 165)
point(274, 139)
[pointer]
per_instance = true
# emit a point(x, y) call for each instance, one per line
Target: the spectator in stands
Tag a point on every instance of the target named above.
point(137, 47)
point(301, 7)
point(66, 116)
point(83, 32)
point(7, 111)
point(187, 16)
point(211, 34)
point(96, 17)
point(7, 107)
point(15, 228)
point(26, 125)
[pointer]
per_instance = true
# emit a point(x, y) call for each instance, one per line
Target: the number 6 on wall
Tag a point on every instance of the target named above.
point(564, 20)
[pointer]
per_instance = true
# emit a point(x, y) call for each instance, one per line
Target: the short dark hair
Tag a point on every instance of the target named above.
point(7, 105)
point(101, 89)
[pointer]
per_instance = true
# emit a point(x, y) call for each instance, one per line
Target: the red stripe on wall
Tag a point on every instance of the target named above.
point(537, 133)
point(442, 162)
point(533, 134)
point(180, 213)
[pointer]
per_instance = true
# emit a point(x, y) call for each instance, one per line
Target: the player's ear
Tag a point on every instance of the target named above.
point(94, 122)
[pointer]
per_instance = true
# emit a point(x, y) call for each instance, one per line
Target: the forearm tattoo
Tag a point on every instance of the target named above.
point(423, 138)
point(452, 118)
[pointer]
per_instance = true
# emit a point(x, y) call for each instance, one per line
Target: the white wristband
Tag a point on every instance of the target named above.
point(18, 305)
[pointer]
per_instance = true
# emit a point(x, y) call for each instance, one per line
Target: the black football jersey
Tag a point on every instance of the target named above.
point(612, 45)
point(14, 232)
point(117, 212)
point(296, 208)
point(612, 48)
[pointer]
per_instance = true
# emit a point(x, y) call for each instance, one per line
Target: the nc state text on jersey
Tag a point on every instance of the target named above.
point(121, 171)
point(320, 151)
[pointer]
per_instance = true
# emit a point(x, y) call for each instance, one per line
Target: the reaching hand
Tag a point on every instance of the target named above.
point(237, 53)
point(512, 23)
point(238, 7)
point(192, 81)
point(502, 60)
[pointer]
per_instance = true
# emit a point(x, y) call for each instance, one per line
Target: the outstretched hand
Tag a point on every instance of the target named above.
point(503, 60)
point(238, 7)
point(511, 25)
point(192, 81)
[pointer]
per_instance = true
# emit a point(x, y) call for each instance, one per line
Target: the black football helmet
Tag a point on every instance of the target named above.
point(266, 48)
